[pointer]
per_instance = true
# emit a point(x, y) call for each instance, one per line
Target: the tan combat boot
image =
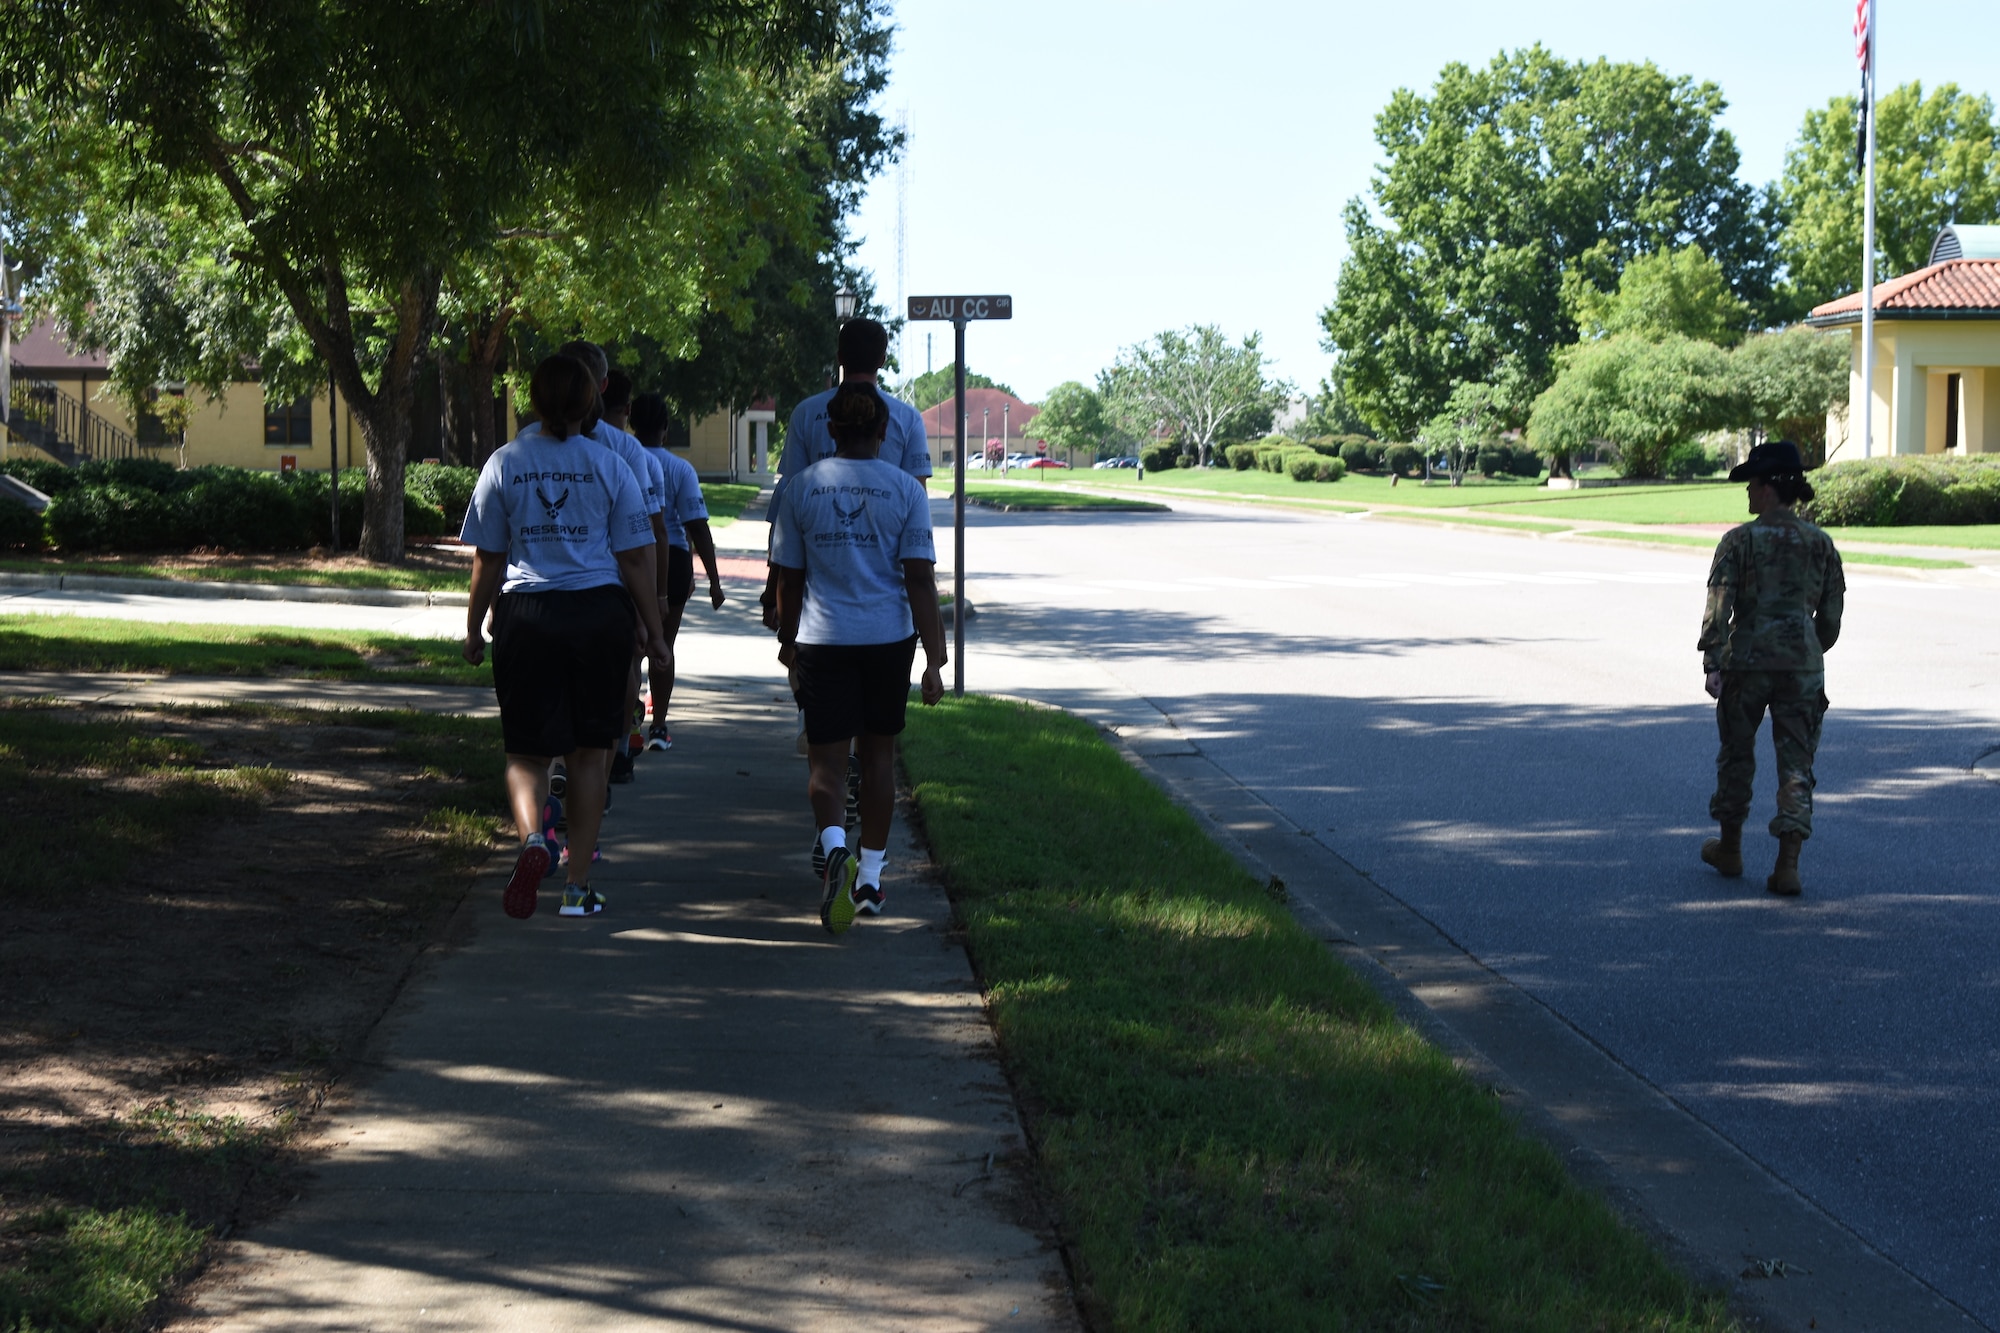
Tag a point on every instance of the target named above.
point(1726, 852)
point(1784, 879)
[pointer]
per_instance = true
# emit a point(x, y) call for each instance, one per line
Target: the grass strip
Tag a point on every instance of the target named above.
point(1847, 554)
point(82, 1268)
point(1045, 498)
point(725, 500)
point(301, 572)
point(1236, 1131)
point(80, 643)
point(1427, 516)
point(1967, 536)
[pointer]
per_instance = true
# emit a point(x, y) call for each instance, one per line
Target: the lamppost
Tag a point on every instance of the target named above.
point(844, 304)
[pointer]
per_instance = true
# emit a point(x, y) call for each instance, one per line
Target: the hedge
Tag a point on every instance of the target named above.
point(143, 504)
point(1404, 460)
point(1908, 491)
point(1312, 465)
point(1160, 457)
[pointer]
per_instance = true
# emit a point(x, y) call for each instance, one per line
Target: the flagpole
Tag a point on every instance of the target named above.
point(1868, 247)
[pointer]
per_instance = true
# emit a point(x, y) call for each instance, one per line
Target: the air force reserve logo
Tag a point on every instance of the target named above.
point(554, 507)
point(849, 517)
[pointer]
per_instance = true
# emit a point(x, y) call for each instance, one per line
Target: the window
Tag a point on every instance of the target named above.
point(288, 423)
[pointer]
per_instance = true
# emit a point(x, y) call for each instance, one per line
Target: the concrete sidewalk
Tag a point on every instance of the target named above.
point(696, 1112)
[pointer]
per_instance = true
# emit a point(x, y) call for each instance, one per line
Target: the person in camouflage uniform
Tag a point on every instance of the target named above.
point(1775, 592)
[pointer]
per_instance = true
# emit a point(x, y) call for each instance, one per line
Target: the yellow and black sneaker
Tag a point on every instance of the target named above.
point(580, 900)
point(836, 904)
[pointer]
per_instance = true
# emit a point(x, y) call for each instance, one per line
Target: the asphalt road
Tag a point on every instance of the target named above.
point(1511, 736)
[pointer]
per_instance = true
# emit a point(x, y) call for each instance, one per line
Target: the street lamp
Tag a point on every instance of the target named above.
point(844, 304)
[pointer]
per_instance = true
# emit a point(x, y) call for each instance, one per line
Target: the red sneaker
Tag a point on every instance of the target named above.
point(518, 901)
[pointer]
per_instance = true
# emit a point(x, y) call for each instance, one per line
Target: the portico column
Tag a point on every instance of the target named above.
point(1907, 404)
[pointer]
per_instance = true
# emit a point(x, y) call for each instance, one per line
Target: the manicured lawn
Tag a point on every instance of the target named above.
point(76, 643)
point(725, 500)
point(1848, 555)
point(1234, 1129)
point(1354, 489)
point(1703, 502)
point(1477, 520)
point(1973, 536)
point(1053, 497)
point(444, 570)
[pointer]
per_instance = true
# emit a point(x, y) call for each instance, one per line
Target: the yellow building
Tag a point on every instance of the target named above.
point(60, 407)
point(1937, 354)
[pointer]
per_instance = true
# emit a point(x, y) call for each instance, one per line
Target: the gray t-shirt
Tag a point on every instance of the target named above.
point(682, 493)
point(850, 523)
point(807, 440)
point(644, 466)
point(560, 509)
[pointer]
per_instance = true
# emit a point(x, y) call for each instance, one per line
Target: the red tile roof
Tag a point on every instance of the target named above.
point(1954, 289)
point(938, 422)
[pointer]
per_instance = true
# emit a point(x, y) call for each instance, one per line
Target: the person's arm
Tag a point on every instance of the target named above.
point(703, 542)
point(920, 582)
point(488, 568)
point(1718, 614)
point(635, 571)
point(791, 590)
point(1832, 602)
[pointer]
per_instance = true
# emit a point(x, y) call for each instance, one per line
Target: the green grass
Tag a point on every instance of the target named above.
point(1693, 503)
point(267, 571)
point(1479, 520)
point(1353, 490)
point(1040, 497)
point(1847, 554)
point(725, 500)
point(76, 643)
point(1236, 1131)
point(1970, 536)
point(86, 1270)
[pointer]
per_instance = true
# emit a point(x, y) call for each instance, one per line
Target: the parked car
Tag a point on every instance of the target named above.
point(1117, 462)
point(1046, 462)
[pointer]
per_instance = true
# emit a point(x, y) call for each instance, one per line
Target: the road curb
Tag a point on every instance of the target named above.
point(218, 591)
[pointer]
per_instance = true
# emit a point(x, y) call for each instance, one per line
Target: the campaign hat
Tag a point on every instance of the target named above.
point(1773, 458)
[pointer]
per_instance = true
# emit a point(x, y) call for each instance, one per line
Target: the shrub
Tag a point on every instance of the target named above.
point(151, 474)
point(1311, 465)
point(44, 474)
point(1524, 461)
point(1689, 459)
point(1159, 457)
point(1405, 460)
point(1894, 492)
point(1242, 457)
point(240, 510)
point(20, 526)
point(1356, 456)
point(1326, 446)
point(447, 488)
point(112, 518)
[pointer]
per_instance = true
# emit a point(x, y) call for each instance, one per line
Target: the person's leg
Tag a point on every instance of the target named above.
point(826, 786)
point(527, 792)
point(589, 769)
point(533, 723)
point(1797, 707)
point(878, 789)
point(1738, 714)
point(884, 714)
point(663, 672)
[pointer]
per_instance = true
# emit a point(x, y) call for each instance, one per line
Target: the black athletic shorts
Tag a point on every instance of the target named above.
point(559, 665)
point(847, 689)
point(680, 576)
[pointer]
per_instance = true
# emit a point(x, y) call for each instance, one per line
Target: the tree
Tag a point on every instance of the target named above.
point(1194, 383)
point(1667, 292)
point(1937, 161)
point(1502, 194)
point(1331, 412)
point(927, 390)
point(1071, 419)
point(1788, 382)
point(1639, 395)
point(1470, 421)
point(363, 148)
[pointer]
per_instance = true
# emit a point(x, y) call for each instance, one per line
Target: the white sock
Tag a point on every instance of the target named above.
point(830, 838)
point(871, 866)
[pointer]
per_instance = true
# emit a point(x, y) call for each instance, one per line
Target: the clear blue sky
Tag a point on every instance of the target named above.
point(1124, 167)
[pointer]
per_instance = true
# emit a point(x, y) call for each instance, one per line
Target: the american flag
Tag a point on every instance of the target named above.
point(1861, 39)
point(1861, 32)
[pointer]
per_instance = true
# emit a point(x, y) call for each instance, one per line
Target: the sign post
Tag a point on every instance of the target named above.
point(959, 309)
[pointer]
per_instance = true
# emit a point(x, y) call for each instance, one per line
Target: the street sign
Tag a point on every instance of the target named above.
point(956, 308)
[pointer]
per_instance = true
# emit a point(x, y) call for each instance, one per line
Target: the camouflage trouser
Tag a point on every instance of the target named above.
point(1797, 703)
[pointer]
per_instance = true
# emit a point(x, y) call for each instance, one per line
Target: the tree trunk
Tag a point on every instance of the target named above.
point(485, 342)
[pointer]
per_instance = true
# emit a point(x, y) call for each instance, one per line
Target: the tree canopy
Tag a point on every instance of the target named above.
point(1937, 161)
point(1072, 419)
point(934, 386)
point(362, 150)
point(1503, 195)
point(1667, 292)
point(1196, 385)
point(1640, 395)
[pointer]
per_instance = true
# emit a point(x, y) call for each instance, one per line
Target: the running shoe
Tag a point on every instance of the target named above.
point(836, 904)
point(635, 744)
point(581, 900)
point(869, 898)
point(819, 859)
point(658, 737)
point(559, 781)
point(558, 857)
point(518, 899)
point(621, 767)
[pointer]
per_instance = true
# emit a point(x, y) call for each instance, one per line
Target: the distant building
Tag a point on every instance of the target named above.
point(59, 407)
point(1937, 353)
point(997, 413)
